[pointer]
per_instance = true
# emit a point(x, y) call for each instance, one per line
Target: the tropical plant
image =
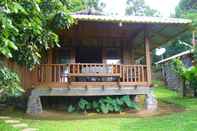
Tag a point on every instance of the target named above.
point(103, 104)
point(9, 83)
point(187, 74)
point(71, 108)
point(128, 102)
point(84, 105)
point(30, 27)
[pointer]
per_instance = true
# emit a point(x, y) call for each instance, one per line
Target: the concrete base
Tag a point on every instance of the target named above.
point(96, 91)
point(34, 105)
point(151, 102)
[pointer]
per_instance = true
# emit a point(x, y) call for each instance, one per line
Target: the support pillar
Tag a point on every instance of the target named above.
point(148, 58)
point(150, 100)
point(34, 105)
point(151, 103)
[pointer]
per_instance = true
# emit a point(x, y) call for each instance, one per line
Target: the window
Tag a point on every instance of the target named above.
point(113, 56)
point(62, 56)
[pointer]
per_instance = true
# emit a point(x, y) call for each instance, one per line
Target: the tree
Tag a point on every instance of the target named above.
point(185, 9)
point(188, 9)
point(95, 4)
point(30, 27)
point(139, 8)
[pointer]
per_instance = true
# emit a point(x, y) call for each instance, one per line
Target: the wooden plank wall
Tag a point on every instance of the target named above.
point(24, 74)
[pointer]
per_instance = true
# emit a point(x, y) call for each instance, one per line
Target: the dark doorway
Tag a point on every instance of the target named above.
point(89, 55)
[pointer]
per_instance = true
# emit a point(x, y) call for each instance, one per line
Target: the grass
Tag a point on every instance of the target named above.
point(180, 121)
point(6, 127)
point(168, 96)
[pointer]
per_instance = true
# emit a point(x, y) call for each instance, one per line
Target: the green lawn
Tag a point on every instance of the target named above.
point(180, 121)
point(6, 127)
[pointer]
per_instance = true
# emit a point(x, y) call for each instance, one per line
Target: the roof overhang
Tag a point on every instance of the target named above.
point(160, 29)
point(174, 57)
point(131, 19)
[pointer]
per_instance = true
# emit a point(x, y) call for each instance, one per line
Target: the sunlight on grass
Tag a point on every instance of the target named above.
point(168, 96)
point(6, 127)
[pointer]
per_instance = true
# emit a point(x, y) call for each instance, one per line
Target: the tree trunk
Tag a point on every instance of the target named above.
point(195, 92)
point(183, 88)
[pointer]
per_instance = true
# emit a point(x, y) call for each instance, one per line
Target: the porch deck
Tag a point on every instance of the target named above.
point(90, 75)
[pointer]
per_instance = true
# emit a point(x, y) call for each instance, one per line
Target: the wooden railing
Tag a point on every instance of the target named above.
point(77, 69)
point(62, 73)
point(134, 73)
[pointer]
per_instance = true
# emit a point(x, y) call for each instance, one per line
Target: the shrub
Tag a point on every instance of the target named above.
point(71, 108)
point(103, 104)
point(187, 74)
point(9, 83)
point(84, 105)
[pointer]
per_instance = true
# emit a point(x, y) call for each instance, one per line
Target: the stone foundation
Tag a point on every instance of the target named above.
point(151, 102)
point(34, 105)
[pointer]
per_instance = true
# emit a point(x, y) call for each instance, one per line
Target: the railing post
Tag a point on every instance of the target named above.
point(148, 58)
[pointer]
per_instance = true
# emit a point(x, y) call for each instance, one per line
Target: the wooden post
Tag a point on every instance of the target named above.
point(148, 58)
point(126, 55)
point(193, 38)
point(72, 55)
point(49, 70)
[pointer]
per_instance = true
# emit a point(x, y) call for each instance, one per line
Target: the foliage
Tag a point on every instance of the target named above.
point(94, 4)
point(104, 104)
point(9, 83)
point(71, 108)
point(84, 105)
point(179, 68)
point(139, 8)
point(188, 74)
point(29, 27)
point(185, 9)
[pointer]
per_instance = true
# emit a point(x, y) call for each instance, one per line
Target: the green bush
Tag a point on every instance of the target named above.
point(103, 104)
point(9, 83)
point(187, 74)
point(84, 105)
point(71, 108)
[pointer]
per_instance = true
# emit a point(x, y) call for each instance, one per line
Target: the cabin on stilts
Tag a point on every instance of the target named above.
point(101, 55)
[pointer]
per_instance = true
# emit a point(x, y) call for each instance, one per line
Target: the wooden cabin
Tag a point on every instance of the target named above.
point(103, 55)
